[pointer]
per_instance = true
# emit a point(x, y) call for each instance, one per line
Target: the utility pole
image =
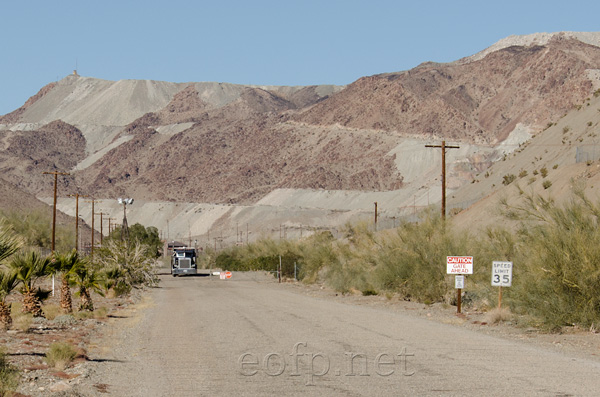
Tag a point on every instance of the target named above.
point(109, 225)
point(92, 246)
point(56, 174)
point(77, 195)
point(443, 146)
point(375, 215)
point(101, 229)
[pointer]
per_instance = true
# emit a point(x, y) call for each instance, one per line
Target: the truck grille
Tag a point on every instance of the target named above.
point(185, 263)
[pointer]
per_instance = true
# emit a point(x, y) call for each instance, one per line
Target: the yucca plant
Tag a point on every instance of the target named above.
point(29, 269)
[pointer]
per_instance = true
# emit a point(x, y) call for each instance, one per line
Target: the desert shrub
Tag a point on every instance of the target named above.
point(229, 261)
point(35, 227)
point(508, 179)
point(9, 376)
point(128, 266)
point(522, 173)
point(21, 321)
point(546, 184)
point(544, 172)
point(51, 311)
point(60, 355)
point(559, 262)
point(64, 320)
point(412, 261)
point(317, 251)
point(498, 315)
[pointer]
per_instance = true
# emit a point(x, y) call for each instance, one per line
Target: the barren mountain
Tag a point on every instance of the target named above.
point(233, 144)
point(480, 101)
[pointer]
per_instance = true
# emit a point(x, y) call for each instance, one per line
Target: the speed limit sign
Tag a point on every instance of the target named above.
point(501, 274)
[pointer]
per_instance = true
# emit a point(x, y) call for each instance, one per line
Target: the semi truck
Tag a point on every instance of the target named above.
point(183, 261)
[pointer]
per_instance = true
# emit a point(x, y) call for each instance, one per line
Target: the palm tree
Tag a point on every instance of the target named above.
point(9, 244)
point(29, 268)
point(87, 280)
point(8, 282)
point(66, 264)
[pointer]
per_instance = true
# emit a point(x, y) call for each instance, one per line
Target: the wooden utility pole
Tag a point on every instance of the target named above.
point(56, 174)
point(110, 225)
point(101, 229)
point(443, 146)
point(375, 215)
point(77, 195)
point(92, 246)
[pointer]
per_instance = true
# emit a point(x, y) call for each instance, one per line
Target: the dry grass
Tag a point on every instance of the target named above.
point(99, 313)
point(498, 315)
point(21, 321)
point(9, 376)
point(60, 355)
point(51, 311)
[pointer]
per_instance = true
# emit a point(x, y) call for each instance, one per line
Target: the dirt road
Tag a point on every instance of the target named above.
point(251, 336)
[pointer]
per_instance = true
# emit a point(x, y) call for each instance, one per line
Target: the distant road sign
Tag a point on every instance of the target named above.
point(459, 265)
point(501, 274)
point(227, 274)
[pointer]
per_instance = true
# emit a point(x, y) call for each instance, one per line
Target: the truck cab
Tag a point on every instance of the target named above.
point(183, 261)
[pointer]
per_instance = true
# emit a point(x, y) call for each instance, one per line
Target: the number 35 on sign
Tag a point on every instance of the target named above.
point(501, 274)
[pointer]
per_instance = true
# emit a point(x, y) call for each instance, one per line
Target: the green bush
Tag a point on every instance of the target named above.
point(558, 276)
point(556, 253)
point(35, 227)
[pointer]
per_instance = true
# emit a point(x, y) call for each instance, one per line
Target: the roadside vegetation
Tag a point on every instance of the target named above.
point(555, 250)
point(116, 267)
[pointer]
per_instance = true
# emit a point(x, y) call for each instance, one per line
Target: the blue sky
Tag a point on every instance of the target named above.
point(256, 42)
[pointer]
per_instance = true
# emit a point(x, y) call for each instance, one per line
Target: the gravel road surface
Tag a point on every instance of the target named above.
point(252, 336)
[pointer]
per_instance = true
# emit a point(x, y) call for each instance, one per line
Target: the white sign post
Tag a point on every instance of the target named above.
point(501, 277)
point(459, 266)
point(459, 281)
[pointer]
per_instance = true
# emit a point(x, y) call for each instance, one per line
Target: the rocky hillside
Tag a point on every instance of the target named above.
point(233, 144)
point(481, 101)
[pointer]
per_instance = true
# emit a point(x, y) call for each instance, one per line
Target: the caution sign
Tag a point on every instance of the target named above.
point(459, 265)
